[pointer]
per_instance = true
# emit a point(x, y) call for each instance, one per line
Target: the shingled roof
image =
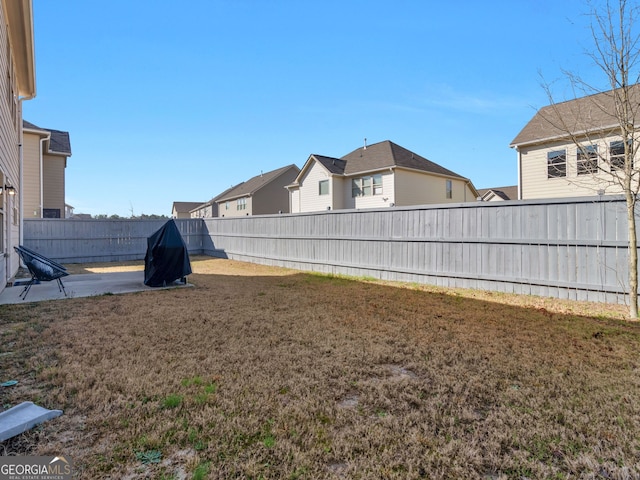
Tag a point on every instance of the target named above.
point(590, 114)
point(185, 207)
point(388, 154)
point(253, 185)
point(505, 193)
point(334, 165)
point(59, 142)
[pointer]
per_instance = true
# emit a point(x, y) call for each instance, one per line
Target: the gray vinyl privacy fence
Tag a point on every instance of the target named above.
point(565, 248)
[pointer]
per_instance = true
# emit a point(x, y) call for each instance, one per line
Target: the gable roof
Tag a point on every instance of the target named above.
point(185, 207)
point(59, 142)
point(506, 193)
point(216, 198)
point(579, 116)
point(335, 166)
point(254, 184)
point(388, 154)
point(377, 156)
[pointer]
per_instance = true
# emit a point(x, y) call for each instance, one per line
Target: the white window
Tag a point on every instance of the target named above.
point(241, 204)
point(227, 205)
point(323, 187)
point(366, 186)
point(449, 189)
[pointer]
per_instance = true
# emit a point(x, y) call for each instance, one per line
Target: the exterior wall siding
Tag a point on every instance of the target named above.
point(310, 199)
point(536, 184)
point(10, 115)
point(274, 197)
point(415, 188)
point(53, 179)
point(233, 208)
point(563, 248)
point(295, 200)
point(370, 201)
point(31, 176)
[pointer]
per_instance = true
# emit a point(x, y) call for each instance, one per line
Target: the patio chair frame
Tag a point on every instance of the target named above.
point(41, 268)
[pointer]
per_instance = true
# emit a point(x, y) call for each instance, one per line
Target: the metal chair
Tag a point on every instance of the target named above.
point(41, 269)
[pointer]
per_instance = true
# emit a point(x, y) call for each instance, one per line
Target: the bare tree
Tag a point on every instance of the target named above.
point(609, 111)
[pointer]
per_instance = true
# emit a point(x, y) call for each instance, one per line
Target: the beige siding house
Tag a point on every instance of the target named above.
point(17, 83)
point(211, 208)
point(183, 209)
point(261, 195)
point(572, 149)
point(379, 175)
point(45, 154)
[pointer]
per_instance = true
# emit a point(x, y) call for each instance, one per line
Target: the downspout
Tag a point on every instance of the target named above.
point(21, 166)
point(519, 173)
point(41, 157)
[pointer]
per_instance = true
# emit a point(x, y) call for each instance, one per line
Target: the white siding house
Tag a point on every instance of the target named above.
point(380, 175)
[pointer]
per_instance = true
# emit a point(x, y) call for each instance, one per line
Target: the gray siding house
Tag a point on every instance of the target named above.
point(261, 195)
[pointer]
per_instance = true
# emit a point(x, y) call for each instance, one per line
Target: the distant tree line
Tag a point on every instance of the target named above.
point(142, 216)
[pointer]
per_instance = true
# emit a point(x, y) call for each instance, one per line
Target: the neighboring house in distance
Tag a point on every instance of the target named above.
point(261, 195)
point(45, 154)
point(182, 209)
point(204, 210)
point(211, 208)
point(17, 84)
point(498, 194)
point(379, 175)
point(549, 162)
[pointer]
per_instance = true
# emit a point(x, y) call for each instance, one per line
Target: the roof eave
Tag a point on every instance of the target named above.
point(19, 17)
point(455, 176)
point(62, 154)
point(234, 197)
point(553, 138)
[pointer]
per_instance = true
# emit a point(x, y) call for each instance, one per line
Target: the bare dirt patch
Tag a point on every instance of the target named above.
point(261, 372)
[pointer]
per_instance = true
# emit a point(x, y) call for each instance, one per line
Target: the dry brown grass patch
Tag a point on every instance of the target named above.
point(262, 372)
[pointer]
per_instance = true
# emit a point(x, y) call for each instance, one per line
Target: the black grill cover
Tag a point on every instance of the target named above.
point(167, 258)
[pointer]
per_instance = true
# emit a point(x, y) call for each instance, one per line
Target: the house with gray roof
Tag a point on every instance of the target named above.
point(574, 148)
point(210, 209)
point(183, 209)
point(498, 194)
point(45, 154)
point(383, 174)
point(261, 195)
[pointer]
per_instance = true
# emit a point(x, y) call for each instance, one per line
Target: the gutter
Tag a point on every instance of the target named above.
point(21, 165)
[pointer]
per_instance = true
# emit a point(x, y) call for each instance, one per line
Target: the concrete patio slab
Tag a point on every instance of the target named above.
point(83, 285)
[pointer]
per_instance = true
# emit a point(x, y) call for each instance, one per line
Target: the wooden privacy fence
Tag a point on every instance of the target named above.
point(566, 248)
point(83, 241)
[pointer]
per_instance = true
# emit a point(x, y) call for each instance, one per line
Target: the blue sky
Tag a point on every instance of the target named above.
point(167, 100)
